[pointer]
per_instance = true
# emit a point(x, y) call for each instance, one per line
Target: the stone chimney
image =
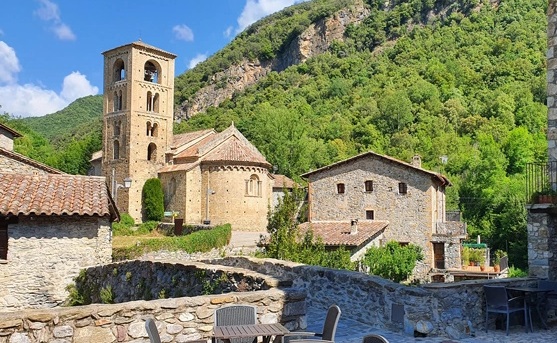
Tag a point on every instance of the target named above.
point(354, 226)
point(417, 161)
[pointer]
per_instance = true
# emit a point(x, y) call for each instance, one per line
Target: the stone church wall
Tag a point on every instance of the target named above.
point(45, 254)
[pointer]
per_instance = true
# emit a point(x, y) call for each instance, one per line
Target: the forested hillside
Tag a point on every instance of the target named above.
point(461, 79)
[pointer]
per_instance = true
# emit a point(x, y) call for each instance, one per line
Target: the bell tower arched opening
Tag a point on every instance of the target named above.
point(119, 70)
point(152, 72)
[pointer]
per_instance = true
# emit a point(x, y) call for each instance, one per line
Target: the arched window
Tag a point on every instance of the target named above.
point(149, 106)
point(120, 102)
point(155, 106)
point(117, 125)
point(119, 70)
point(148, 131)
point(115, 102)
point(152, 152)
point(152, 72)
point(116, 150)
point(253, 186)
point(154, 130)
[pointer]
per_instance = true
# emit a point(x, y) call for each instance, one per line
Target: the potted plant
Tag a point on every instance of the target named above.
point(499, 254)
point(465, 256)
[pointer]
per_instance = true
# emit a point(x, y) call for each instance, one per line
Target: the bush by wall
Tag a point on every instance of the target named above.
point(153, 199)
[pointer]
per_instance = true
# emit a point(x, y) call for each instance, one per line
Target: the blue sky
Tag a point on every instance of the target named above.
point(50, 50)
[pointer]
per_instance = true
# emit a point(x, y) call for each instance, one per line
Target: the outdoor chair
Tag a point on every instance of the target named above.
point(497, 301)
point(374, 339)
point(152, 331)
point(328, 333)
point(236, 315)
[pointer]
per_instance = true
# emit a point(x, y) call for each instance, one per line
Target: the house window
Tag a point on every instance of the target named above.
point(340, 188)
point(369, 214)
point(402, 188)
point(369, 186)
point(3, 241)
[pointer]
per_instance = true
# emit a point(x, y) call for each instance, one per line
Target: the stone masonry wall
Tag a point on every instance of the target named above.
point(45, 254)
point(9, 165)
point(178, 320)
point(542, 243)
point(453, 309)
point(411, 216)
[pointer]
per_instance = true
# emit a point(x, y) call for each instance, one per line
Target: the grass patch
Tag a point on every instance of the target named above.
point(200, 241)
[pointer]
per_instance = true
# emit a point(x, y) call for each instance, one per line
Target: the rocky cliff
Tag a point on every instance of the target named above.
point(316, 39)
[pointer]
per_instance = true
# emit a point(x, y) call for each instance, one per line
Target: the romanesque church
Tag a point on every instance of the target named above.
point(207, 177)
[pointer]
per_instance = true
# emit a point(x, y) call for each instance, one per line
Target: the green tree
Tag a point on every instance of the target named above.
point(153, 199)
point(393, 261)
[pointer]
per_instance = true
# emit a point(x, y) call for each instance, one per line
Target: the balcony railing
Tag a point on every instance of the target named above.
point(540, 178)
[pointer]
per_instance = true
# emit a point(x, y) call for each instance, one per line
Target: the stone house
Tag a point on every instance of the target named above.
point(384, 199)
point(51, 226)
point(208, 177)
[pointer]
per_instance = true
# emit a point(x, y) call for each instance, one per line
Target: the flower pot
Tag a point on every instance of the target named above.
point(496, 268)
point(482, 267)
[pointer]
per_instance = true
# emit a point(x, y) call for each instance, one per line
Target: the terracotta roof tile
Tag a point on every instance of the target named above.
point(232, 150)
point(282, 181)
point(184, 138)
point(336, 233)
point(24, 159)
point(50, 194)
point(441, 178)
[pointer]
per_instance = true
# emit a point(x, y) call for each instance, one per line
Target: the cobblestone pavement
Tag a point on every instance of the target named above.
point(350, 331)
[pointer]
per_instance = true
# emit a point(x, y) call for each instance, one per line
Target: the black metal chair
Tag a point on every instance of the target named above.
point(328, 333)
point(497, 301)
point(236, 315)
point(374, 339)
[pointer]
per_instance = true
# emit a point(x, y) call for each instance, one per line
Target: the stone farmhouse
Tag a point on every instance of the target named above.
point(208, 177)
point(51, 226)
point(370, 199)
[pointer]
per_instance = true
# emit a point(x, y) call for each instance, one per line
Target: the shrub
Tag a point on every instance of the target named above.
point(153, 199)
point(199, 241)
point(517, 272)
point(393, 261)
point(124, 226)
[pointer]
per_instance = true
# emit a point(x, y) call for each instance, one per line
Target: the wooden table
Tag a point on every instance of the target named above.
point(532, 299)
point(266, 331)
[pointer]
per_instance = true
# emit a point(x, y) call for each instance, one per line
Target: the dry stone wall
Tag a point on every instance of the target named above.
point(455, 309)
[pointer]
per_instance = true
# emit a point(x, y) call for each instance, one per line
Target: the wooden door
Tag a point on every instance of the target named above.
point(439, 255)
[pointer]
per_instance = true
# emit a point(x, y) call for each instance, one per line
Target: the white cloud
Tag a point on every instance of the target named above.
point(30, 100)
point(183, 32)
point(228, 32)
point(64, 32)
point(257, 9)
point(77, 86)
point(49, 12)
point(197, 59)
point(9, 64)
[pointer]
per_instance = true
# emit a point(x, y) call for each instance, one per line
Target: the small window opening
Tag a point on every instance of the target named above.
point(116, 151)
point(151, 73)
point(120, 102)
point(148, 131)
point(254, 186)
point(369, 186)
point(370, 214)
point(154, 130)
point(402, 188)
point(119, 70)
point(117, 128)
point(340, 188)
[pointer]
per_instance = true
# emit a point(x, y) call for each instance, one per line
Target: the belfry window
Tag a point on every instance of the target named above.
point(119, 70)
point(151, 73)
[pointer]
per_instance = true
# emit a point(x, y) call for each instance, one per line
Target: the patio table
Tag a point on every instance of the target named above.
point(266, 331)
point(533, 298)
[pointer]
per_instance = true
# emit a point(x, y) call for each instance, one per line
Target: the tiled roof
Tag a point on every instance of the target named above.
point(232, 150)
point(49, 194)
point(24, 159)
point(10, 130)
point(441, 178)
point(336, 233)
point(97, 155)
point(193, 151)
point(184, 138)
point(140, 43)
point(282, 181)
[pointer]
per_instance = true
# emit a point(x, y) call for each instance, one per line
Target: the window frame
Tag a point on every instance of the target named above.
point(341, 188)
point(368, 212)
point(368, 186)
point(402, 188)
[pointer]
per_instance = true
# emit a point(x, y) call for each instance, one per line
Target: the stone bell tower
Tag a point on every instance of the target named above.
point(138, 113)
